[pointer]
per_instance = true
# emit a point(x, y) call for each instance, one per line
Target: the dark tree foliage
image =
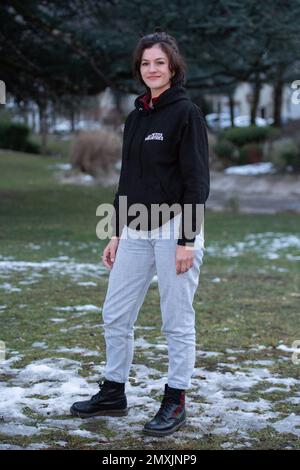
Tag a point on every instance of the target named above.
point(51, 48)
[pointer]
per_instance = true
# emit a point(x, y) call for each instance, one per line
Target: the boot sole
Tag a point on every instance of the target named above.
point(100, 413)
point(153, 432)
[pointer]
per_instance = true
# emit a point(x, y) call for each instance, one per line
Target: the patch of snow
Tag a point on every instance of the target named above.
point(217, 400)
point(56, 268)
point(14, 429)
point(78, 350)
point(79, 308)
point(253, 169)
point(89, 283)
point(83, 433)
point(61, 166)
point(285, 348)
point(268, 245)
point(8, 287)
point(290, 424)
point(39, 345)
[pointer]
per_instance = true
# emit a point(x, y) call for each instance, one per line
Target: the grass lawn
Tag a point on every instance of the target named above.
point(245, 389)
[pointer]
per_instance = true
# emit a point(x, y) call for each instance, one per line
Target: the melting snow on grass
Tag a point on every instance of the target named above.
point(268, 245)
point(56, 267)
point(36, 399)
point(218, 402)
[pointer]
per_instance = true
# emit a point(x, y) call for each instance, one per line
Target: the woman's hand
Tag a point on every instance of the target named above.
point(184, 258)
point(110, 251)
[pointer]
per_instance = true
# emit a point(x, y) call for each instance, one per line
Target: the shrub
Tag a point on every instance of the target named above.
point(94, 152)
point(251, 153)
point(283, 153)
point(32, 147)
point(244, 135)
point(14, 136)
point(226, 150)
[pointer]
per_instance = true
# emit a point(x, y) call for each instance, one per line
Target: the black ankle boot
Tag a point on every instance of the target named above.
point(109, 401)
point(171, 415)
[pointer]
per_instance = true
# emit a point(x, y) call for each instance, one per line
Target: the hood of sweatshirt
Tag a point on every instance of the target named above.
point(167, 97)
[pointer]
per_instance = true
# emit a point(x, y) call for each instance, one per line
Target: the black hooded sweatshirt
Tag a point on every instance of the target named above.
point(164, 159)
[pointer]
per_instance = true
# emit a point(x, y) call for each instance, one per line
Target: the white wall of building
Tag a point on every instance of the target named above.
point(107, 101)
point(242, 100)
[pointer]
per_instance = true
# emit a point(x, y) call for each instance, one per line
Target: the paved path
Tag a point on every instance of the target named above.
point(265, 194)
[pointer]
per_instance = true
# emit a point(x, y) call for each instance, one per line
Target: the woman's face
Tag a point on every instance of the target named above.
point(155, 63)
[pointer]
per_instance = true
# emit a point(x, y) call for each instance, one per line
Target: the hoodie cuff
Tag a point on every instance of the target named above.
point(186, 242)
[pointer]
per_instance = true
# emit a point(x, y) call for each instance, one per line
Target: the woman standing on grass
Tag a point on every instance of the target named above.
point(164, 160)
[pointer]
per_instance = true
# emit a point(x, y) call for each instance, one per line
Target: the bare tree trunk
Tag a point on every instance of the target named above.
point(231, 107)
point(117, 97)
point(43, 126)
point(277, 94)
point(72, 118)
point(255, 101)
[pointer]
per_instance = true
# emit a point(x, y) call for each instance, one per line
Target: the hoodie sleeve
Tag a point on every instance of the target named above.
point(194, 168)
point(115, 222)
point(116, 230)
point(115, 217)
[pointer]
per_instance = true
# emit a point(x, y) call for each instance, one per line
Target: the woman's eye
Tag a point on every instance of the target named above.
point(160, 63)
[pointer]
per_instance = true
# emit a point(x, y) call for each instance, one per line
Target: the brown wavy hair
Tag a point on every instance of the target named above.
point(169, 46)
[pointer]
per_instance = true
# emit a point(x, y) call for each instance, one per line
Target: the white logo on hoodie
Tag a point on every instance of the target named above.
point(155, 136)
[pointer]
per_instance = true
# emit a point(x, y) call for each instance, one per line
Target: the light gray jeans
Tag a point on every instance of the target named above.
point(141, 255)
